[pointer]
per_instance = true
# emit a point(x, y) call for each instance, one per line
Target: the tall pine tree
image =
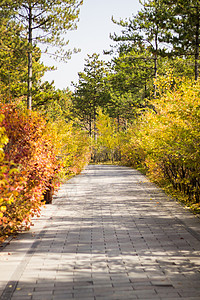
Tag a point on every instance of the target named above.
point(44, 21)
point(90, 92)
point(184, 23)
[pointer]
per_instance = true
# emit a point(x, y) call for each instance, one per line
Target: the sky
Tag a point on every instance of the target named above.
point(92, 36)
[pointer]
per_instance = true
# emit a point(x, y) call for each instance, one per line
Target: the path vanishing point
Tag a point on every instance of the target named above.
point(109, 234)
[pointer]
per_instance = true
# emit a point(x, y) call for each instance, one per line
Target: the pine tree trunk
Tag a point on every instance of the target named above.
point(95, 129)
point(197, 46)
point(30, 64)
point(90, 125)
point(156, 62)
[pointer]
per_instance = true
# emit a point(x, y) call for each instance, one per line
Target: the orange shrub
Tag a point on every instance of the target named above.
point(28, 167)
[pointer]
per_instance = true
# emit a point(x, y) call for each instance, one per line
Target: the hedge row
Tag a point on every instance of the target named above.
point(165, 141)
point(32, 161)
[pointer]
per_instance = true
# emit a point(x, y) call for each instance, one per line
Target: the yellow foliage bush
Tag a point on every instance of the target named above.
point(106, 146)
point(165, 141)
point(3, 138)
point(72, 146)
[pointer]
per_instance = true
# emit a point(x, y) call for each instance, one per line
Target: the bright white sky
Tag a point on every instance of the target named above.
point(92, 36)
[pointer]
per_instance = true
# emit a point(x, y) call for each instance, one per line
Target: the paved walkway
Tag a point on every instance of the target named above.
point(109, 234)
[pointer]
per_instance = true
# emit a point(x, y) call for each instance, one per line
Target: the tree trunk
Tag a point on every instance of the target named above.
point(30, 64)
point(197, 47)
point(95, 129)
point(90, 125)
point(118, 123)
point(156, 61)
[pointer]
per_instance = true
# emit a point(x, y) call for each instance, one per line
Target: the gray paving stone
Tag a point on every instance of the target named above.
point(62, 297)
point(109, 234)
point(21, 297)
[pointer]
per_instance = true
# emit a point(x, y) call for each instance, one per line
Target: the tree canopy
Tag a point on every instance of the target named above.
point(43, 21)
point(90, 92)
